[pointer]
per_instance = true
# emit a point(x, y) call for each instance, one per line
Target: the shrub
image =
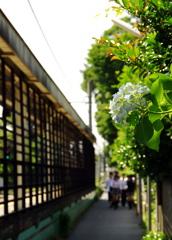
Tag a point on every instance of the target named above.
point(64, 224)
point(156, 236)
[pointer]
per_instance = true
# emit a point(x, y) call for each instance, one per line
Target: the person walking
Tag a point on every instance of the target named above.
point(109, 182)
point(130, 191)
point(115, 192)
point(123, 188)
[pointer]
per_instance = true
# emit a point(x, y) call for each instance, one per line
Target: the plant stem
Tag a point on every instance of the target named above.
point(160, 112)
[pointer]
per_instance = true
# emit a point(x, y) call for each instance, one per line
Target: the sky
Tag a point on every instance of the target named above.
point(69, 27)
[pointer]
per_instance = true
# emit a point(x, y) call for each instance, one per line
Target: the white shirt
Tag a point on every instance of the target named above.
point(109, 183)
point(123, 184)
point(116, 184)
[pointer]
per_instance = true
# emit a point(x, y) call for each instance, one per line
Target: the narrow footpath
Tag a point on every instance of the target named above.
point(103, 223)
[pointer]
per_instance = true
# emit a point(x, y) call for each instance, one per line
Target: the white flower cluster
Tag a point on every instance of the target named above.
point(126, 100)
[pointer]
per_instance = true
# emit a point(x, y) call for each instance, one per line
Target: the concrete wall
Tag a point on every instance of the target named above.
point(48, 228)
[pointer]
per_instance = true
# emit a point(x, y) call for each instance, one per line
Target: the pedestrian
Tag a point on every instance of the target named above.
point(123, 188)
point(117, 173)
point(130, 191)
point(115, 193)
point(109, 181)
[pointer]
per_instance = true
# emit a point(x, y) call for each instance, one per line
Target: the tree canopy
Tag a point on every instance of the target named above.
point(151, 56)
point(103, 73)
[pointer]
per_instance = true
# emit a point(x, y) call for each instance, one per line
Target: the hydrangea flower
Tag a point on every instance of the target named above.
point(129, 98)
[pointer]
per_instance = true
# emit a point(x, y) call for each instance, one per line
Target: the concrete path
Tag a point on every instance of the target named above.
point(103, 223)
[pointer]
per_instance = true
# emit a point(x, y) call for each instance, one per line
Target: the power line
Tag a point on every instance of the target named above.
point(49, 45)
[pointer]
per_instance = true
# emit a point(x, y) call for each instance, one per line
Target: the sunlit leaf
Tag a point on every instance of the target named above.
point(107, 10)
point(143, 34)
point(116, 35)
point(135, 25)
point(154, 142)
point(157, 90)
point(106, 107)
point(133, 57)
point(115, 58)
point(153, 115)
point(97, 15)
point(125, 2)
point(171, 70)
point(130, 46)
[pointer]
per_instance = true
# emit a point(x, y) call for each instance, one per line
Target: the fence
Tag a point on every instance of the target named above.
point(43, 155)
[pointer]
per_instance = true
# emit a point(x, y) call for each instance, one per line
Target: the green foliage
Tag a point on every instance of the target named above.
point(143, 130)
point(156, 236)
point(64, 224)
point(103, 73)
point(151, 52)
point(98, 192)
point(108, 153)
point(151, 56)
point(148, 131)
point(140, 158)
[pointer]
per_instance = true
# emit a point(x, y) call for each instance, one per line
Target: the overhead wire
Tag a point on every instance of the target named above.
point(49, 46)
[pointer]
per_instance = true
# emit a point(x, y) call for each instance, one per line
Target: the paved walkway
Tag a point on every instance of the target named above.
point(102, 223)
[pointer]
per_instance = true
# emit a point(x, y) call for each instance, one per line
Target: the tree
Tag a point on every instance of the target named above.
point(151, 54)
point(103, 73)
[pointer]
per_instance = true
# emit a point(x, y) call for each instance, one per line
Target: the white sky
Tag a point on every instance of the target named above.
point(69, 27)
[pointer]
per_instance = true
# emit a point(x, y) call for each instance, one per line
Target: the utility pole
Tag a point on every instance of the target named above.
point(89, 91)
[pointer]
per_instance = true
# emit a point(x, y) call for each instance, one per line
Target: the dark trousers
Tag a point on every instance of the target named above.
point(123, 195)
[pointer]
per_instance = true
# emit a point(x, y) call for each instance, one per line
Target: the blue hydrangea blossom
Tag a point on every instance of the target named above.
point(129, 98)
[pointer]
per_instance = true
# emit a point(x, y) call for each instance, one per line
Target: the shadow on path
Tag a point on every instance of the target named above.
point(103, 223)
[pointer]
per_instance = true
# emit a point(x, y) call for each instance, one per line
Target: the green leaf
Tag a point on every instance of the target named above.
point(135, 69)
point(158, 125)
point(167, 85)
point(171, 70)
point(125, 3)
point(132, 2)
point(154, 77)
point(106, 38)
point(157, 90)
point(136, 51)
point(166, 103)
point(133, 118)
point(154, 116)
point(160, 76)
point(154, 142)
point(164, 77)
point(143, 130)
point(167, 98)
point(155, 2)
point(170, 96)
point(148, 96)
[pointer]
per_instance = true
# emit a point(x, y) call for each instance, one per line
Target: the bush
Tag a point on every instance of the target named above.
point(156, 236)
point(64, 224)
point(98, 190)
